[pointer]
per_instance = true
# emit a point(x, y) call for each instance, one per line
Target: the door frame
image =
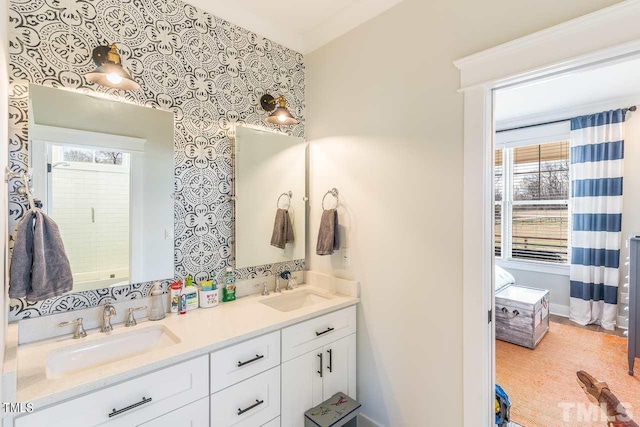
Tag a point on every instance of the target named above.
point(606, 36)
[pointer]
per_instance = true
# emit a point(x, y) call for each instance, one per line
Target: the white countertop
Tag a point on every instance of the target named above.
point(200, 332)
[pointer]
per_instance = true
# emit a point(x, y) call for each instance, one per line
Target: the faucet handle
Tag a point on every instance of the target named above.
point(131, 319)
point(79, 332)
point(265, 289)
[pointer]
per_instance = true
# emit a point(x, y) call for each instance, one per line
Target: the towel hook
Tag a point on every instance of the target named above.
point(288, 195)
point(334, 193)
point(23, 190)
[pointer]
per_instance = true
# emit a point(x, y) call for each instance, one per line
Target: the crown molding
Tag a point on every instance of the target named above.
point(547, 50)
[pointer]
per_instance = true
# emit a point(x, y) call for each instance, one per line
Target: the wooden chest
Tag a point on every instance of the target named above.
point(522, 315)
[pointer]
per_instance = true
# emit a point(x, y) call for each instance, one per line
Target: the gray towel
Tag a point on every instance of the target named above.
point(40, 268)
point(328, 233)
point(282, 229)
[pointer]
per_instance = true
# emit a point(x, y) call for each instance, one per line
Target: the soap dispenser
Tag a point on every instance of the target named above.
point(156, 306)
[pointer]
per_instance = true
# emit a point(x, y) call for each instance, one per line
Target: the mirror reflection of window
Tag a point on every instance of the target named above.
point(104, 171)
point(89, 199)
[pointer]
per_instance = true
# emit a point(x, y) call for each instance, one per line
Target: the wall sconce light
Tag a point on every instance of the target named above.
point(280, 115)
point(110, 71)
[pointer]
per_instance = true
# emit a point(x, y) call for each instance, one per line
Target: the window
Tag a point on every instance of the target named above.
point(532, 202)
point(498, 188)
point(85, 155)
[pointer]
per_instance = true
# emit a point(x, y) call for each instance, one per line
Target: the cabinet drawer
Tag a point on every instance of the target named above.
point(241, 361)
point(155, 394)
point(195, 414)
point(250, 403)
point(306, 336)
point(273, 423)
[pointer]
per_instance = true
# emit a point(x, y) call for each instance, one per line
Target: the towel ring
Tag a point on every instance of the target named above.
point(288, 195)
point(333, 192)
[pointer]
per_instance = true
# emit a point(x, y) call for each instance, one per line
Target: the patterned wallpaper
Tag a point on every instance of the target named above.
point(209, 72)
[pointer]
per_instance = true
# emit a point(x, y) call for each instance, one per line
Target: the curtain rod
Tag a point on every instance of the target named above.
point(632, 108)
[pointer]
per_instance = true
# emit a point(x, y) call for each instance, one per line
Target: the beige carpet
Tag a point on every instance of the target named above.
point(541, 382)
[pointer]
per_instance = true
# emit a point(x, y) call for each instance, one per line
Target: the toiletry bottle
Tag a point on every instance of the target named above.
point(229, 291)
point(175, 296)
point(156, 305)
point(191, 294)
point(182, 308)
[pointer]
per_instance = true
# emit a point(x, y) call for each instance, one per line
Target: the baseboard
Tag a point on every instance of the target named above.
point(364, 421)
point(623, 322)
point(563, 311)
point(559, 309)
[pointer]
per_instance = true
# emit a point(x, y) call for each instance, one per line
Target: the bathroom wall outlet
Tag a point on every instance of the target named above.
point(346, 257)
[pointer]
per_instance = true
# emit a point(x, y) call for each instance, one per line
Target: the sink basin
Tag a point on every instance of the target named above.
point(85, 355)
point(295, 300)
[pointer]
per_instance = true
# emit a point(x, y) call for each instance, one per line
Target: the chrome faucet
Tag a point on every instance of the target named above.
point(79, 332)
point(278, 283)
point(108, 312)
point(131, 319)
point(265, 290)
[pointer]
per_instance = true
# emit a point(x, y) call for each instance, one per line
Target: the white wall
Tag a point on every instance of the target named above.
point(630, 200)
point(384, 120)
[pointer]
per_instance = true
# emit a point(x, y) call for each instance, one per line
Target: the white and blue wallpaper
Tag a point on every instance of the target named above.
point(209, 72)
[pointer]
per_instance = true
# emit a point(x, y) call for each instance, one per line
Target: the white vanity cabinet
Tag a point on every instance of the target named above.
point(312, 377)
point(266, 381)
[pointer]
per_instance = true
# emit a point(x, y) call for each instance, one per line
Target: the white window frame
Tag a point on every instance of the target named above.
point(506, 141)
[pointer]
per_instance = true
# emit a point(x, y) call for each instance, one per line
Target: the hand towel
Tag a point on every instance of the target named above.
point(328, 233)
point(282, 229)
point(39, 268)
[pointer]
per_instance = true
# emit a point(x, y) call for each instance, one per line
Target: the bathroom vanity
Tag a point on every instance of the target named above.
point(259, 361)
point(262, 360)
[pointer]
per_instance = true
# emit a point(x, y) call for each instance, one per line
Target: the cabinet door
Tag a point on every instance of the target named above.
point(301, 387)
point(340, 368)
point(195, 414)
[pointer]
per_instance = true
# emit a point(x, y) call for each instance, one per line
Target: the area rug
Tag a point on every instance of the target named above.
point(542, 385)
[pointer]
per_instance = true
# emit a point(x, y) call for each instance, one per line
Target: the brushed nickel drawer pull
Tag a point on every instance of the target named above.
point(258, 357)
point(242, 411)
point(324, 332)
point(135, 405)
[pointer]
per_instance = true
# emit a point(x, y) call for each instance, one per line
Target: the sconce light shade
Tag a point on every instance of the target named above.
point(110, 72)
point(280, 115)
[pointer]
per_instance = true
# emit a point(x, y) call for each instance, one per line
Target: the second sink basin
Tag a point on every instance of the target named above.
point(295, 300)
point(89, 354)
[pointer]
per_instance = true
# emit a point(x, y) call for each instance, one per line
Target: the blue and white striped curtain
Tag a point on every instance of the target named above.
point(597, 156)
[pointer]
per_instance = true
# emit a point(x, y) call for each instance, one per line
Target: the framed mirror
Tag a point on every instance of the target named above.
point(269, 176)
point(104, 172)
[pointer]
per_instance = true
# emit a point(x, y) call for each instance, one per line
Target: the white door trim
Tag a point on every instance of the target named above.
point(611, 34)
